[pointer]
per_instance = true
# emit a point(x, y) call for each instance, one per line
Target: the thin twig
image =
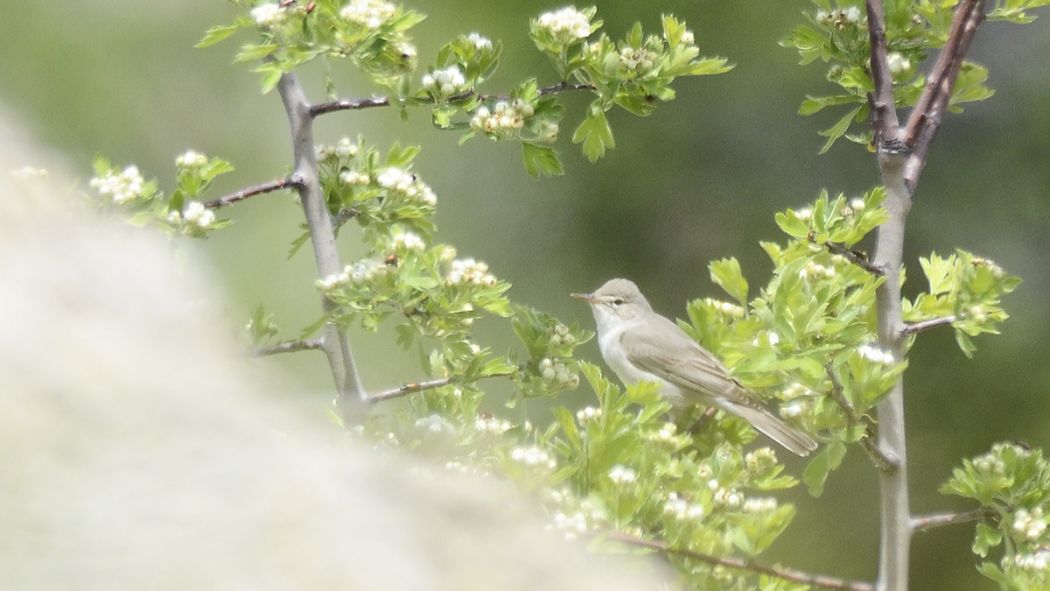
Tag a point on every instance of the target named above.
point(787, 574)
point(884, 108)
point(968, 16)
point(245, 193)
point(357, 104)
point(288, 347)
point(854, 257)
point(882, 462)
point(344, 215)
point(413, 387)
point(934, 520)
point(916, 327)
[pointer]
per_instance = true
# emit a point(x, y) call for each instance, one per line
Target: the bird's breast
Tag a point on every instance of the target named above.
point(616, 358)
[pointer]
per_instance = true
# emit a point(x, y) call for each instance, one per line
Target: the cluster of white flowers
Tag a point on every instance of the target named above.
point(566, 24)
point(435, 424)
point(681, 509)
point(587, 414)
point(556, 371)
point(726, 308)
point(479, 42)
point(1030, 524)
point(354, 177)
point(556, 496)
point(814, 270)
point(875, 354)
point(191, 159)
point(996, 270)
point(490, 424)
point(688, 38)
point(267, 15)
point(194, 214)
point(1039, 561)
point(408, 241)
point(639, 60)
point(840, 18)
point(395, 179)
point(897, 63)
point(344, 148)
point(447, 82)
point(459, 467)
point(989, 463)
point(771, 337)
point(469, 271)
point(622, 475)
point(532, 456)
point(723, 495)
point(760, 505)
point(795, 390)
point(760, 460)
point(359, 272)
point(667, 433)
point(504, 117)
point(28, 172)
point(571, 525)
point(977, 312)
point(561, 335)
point(793, 409)
point(370, 14)
point(120, 187)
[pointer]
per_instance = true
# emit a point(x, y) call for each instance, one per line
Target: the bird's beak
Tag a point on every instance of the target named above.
point(585, 297)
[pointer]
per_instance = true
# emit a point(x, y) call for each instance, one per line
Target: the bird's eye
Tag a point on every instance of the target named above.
point(617, 301)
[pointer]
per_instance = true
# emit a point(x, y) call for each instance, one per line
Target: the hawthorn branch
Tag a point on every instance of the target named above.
point(854, 257)
point(288, 347)
point(917, 327)
point(884, 108)
point(260, 189)
point(351, 392)
point(935, 520)
point(882, 462)
point(927, 115)
point(357, 104)
point(787, 574)
point(413, 387)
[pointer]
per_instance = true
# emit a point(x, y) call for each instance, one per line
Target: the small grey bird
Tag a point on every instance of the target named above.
point(643, 346)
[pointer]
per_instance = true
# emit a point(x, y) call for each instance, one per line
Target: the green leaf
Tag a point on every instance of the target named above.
point(252, 52)
point(791, 224)
point(595, 134)
point(541, 160)
point(216, 34)
point(726, 273)
point(838, 130)
point(986, 538)
point(816, 472)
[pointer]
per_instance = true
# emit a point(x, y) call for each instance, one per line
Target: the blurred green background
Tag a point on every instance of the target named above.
point(698, 180)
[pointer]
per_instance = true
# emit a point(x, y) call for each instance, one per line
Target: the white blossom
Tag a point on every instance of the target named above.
point(681, 509)
point(191, 159)
point(587, 414)
point(354, 177)
point(435, 424)
point(491, 424)
point(267, 15)
point(448, 81)
point(875, 354)
point(1039, 561)
point(195, 213)
point(857, 204)
point(1031, 525)
point(725, 307)
point(814, 270)
point(760, 505)
point(622, 475)
point(480, 43)
point(470, 272)
point(571, 525)
point(370, 14)
point(408, 241)
point(688, 38)
point(345, 148)
point(792, 409)
point(760, 460)
point(897, 63)
point(532, 456)
point(120, 187)
point(504, 117)
point(566, 24)
point(639, 60)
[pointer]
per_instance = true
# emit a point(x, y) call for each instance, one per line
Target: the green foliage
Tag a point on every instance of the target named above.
point(837, 34)
point(1012, 483)
point(966, 288)
point(261, 326)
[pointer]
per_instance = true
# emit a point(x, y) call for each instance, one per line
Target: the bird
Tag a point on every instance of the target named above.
point(640, 345)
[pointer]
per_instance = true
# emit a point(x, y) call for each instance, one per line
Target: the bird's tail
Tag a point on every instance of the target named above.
point(789, 437)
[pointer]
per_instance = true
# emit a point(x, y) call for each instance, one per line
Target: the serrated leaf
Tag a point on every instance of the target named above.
point(727, 274)
point(541, 160)
point(595, 135)
point(816, 472)
point(838, 130)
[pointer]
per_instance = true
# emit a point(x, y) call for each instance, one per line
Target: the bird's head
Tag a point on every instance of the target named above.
point(616, 300)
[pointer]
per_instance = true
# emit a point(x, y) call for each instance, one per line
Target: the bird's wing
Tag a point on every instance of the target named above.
point(661, 348)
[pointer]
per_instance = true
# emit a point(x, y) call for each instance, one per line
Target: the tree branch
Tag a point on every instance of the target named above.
point(413, 387)
point(357, 104)
point(926, 117)
point(882, 462)
point(935, 520)
point(787, 574)
point(884, 109)
point(288, 347)
point(854, 257)
point(276, 185)
point(916, 327)
point(352, 396)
